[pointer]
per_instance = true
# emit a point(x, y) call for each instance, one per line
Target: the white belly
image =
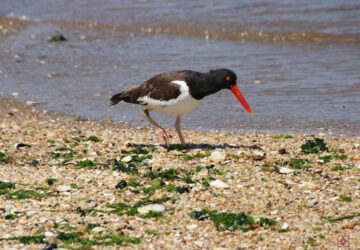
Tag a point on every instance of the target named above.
point(180, 105)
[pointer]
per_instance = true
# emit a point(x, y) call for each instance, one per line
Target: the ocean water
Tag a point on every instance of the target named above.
point(297, 61)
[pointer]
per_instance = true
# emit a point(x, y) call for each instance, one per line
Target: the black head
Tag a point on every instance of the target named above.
point(223, 78)
point(226, 79)
point(202, 85)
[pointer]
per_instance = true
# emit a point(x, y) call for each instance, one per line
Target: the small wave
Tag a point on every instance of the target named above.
point(21, 17)
point(231, 34)
point(249, 35)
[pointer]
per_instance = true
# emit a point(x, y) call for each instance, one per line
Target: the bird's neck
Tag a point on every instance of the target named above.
point(204, 87)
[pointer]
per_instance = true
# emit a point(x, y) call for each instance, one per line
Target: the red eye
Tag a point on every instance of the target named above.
point(228, 78)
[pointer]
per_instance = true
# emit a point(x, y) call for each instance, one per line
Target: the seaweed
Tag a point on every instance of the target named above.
point(171, 187)
point(148, 202)
point(168, 174)
point(346, 198)
point(328, 158)
point(93, 139)
point(85, 163)
point(199, 215)
point(6, 185)
point(337, 168)
point(341, 218)
point(2, 156)
point(314, 146)
point(131, 169)
point(139, 159)
point(299, 163)
point(191, 157)
point(11, 217)
point(266, 222)
point(122, 208)
point(231, 221)
point(91, 226)
point(28, 194)
point(152, 214)
point(37, 239)
point(133, 182)
point(58, 38)
point(282, 137)
point(153, 232)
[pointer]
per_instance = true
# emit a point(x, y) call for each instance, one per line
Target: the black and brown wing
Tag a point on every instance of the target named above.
point(160, 87)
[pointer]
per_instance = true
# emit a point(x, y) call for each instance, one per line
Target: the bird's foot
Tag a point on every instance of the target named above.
point(165, 137)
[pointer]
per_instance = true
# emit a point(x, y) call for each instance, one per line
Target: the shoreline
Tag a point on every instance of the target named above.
point(319, 130)
point(77, 183)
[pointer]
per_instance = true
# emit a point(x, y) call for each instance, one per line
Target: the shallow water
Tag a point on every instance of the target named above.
point(297, 63)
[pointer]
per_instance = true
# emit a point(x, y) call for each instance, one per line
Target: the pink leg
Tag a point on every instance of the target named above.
point(164, 134)
point(178, 130)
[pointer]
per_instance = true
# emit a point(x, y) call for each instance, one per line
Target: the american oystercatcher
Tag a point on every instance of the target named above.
point(178, 93)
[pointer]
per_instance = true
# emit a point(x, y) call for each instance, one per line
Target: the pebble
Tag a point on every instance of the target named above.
point(151, 207)
point(203, 172)
point(258, 153)
point(98, 229)
point(91, 204)
point(51, 246)
point(10, 209)
point(122, 184)
point(282, 151)
point(63, 188)
point(48, 234)
point(32, 103)
point(183, 189)
point(229, 175)
point(282, 170)
point(217, 156)
point(285, 226)
point(127, 158)
point(219, 184)
point(307, 185)
point(192, 226)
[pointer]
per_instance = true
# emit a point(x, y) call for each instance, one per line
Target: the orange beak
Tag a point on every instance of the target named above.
point(240, 97)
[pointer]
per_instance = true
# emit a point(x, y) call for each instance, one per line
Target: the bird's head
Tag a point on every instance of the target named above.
point(226, 79)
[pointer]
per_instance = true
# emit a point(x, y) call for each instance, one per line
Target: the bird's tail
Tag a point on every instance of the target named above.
point(116, 98)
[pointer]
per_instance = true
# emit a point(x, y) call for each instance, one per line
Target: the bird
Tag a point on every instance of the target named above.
point(178, 93)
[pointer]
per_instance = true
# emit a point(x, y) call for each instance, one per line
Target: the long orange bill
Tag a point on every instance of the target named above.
point(240, 97)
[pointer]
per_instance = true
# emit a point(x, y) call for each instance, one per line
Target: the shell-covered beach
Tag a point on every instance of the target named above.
point(80, 184)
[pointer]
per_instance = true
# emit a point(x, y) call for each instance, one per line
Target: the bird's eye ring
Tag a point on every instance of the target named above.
point(228, 78)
